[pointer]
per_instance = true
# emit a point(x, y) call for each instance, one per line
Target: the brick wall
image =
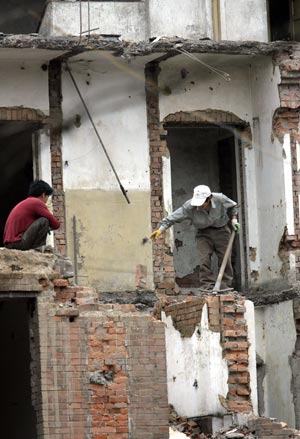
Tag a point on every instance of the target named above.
point(286, 121)
point(163, 266)
point(264, 428)
point(225, 315)
point(110, 369)
point(58, 201)
point(96, 370)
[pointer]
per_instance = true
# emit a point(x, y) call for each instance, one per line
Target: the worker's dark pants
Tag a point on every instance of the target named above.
point(35, 236)
point(213, 240)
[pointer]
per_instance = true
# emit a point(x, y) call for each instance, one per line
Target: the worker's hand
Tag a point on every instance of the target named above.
point(235, 225)
point(156, 234)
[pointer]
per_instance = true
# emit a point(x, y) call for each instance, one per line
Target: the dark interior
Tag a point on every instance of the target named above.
point(16, 411)
point(280, 20)
point(21, 16)
point(16, 171)
point(200, 155)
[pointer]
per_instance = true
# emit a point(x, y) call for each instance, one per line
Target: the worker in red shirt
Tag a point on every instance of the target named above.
point(30, 220)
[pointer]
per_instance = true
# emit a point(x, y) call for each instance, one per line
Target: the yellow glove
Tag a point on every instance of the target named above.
point(156, 234)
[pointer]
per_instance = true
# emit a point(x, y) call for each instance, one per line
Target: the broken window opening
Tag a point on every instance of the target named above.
point(17, 158)
point(17, 413)
point(21, 16)
point(200, 155)
point(284, 20)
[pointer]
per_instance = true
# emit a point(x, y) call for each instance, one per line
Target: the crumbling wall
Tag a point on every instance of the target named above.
point(208, 356)
point(275, 343)
point(97, 369)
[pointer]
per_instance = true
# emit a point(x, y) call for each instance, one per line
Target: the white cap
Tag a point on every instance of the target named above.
point(200, 194)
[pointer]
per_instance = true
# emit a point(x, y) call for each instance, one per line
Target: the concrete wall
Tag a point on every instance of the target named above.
point(264, 162)
point(252, 95)
point(26, 84)
point(244, 20)
point(197, 359)
point(188, 19)
point(142, 20)
point(109, 231)
point(119, 18)
point(275, 344)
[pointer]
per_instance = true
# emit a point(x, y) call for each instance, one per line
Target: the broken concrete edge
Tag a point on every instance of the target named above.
point(78, 44)
point(263, 297)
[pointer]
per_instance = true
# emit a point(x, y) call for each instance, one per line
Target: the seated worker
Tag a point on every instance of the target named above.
point(209, 212)
point(30, 220)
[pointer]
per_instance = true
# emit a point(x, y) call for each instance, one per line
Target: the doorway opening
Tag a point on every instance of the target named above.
point(18, 142)
point(200, 155)
point(16, 410)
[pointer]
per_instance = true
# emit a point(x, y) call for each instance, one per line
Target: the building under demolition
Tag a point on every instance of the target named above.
point(124, 107)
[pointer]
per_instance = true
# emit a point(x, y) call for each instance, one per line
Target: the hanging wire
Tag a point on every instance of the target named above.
point(219, 72)
point(124, 192)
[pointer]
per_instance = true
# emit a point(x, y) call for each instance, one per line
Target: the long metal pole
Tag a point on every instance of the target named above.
point(97, 134)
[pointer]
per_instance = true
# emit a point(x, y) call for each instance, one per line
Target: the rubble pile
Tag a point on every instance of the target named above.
point(254, 428)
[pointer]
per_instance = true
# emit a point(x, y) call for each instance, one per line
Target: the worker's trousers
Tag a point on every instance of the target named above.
point(35, 236)
point(213, 240)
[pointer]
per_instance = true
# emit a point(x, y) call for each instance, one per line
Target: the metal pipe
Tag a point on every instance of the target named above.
point(124, 192)
point(75, 250)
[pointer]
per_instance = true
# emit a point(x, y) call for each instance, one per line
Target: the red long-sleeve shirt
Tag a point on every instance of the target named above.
point(23, 215)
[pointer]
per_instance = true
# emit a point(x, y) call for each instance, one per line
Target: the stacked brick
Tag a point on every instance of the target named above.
point(22, 114)
point(162, 261)
point(226, 314)
point(147, 387)
point(97, 370)
point(235, 344)
point(186, 315)
point(55, 99)
point(107, 359)
point(286, 121)
point(265, 428)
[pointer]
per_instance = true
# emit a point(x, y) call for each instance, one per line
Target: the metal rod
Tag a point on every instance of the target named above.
point(124, 192)
point(89, 24)
point(75, 250)
point(89, 30)
point(80, 19)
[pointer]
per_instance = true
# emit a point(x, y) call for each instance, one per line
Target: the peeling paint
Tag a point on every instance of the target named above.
point(252, 253)
point(254, 275)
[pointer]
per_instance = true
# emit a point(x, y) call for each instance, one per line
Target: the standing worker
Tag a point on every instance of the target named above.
point(30, 220)
point(209, 212)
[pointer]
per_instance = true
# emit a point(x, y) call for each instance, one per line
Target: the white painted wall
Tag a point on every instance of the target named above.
point(288, 184)
point(123, 18)
point(200, 358)
point(195, 358)
point(26, 84)
point(275, 343)
point(250, 318)
point(188, 19)
point(115, 95)
point(244, 20)
point(267, 156)
point(252, 95)
point(134, 21)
